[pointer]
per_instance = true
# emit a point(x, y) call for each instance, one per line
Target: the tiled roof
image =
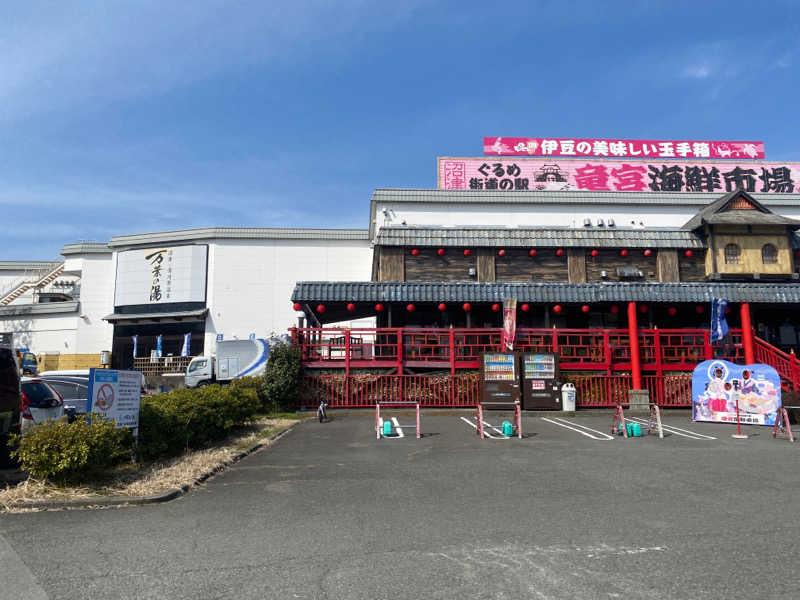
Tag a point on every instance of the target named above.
point(541, 237)
point(327, 291)
point(716, 214)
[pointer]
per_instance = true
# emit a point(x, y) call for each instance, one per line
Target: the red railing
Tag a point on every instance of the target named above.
point(608, 350)
point(463, 390)
point(787, 365)
point(358, 391)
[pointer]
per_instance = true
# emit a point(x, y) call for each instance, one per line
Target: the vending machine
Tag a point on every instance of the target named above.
point(500, 377)
point(541, 385)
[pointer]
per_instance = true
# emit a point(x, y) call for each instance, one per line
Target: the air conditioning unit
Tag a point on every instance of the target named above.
point(587, 222)
point(600, 223)
point(629, 273)
point(611, 223)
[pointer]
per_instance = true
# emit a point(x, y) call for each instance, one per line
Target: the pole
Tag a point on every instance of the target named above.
point(747, 334)
point(633, 334)
point(738, 435)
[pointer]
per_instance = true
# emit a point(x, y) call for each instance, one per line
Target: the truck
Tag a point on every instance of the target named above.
point(28, 365)
point(233, 359)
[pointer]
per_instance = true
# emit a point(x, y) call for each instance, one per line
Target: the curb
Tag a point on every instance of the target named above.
point(106, 501)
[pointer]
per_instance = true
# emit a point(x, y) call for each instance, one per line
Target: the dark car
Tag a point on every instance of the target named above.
point(10, 397)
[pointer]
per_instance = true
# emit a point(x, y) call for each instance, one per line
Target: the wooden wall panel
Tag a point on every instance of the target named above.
point(390, 267)
point(428, 266)
point(609, 260)
point(692, 268)
point(576, 265)
point(667, 262)
point(517, 265)
point(486, 264)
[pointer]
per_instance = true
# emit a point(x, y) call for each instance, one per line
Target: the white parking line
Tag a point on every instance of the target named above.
point(676, 430)
point(595, 435)
point(397, 427)
point(475, 426)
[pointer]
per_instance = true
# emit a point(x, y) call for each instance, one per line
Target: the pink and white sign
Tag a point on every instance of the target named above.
point(610, 148)
point(616, 176)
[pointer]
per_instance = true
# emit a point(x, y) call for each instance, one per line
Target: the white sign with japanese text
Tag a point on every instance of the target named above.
point(116, 395)
point(161, 275)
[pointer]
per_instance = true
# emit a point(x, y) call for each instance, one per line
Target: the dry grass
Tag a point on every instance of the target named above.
point(147, 479)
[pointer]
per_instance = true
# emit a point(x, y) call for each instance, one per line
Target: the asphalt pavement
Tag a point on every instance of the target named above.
point(332, 512)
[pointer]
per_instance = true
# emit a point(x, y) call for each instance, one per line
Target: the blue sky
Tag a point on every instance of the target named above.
point(127, 117)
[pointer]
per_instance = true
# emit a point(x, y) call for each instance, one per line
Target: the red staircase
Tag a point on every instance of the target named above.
point(787, 365)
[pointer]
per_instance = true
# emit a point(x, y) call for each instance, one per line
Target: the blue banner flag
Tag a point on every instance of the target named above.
point(158, 346)
point(135, 344)
point(719, 326)
point(187, 342)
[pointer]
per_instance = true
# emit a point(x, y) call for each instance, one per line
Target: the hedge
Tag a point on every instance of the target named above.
point(192, 418)
point(65, 451)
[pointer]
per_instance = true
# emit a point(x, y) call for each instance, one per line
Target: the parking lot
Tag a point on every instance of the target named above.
point(567, 511)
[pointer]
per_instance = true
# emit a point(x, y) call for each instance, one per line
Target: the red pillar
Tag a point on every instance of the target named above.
point(747, 335)
point(633, 334)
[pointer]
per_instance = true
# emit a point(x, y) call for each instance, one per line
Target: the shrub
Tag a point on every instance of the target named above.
point(256, 384)
point(62, 451)
point(282, 378)
point(192, 418)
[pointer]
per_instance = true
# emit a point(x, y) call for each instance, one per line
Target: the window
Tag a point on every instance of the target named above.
point(732, 252)
point(769, 254)
point(197, 365)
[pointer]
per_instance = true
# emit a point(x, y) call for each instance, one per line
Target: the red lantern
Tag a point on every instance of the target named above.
point(532, 252)
point(410, 307)
point(672, 311)
point(614, 309)
point(585, 308)
point(727, 309)
point(699, 309)
point(440, 252)
point(643, 308)
point(495, 307)
point(648, 252)
point(559, 252)
point(525, 307)
point(797, 254)
point(688, 254)
point(557, 308)
point(623, 252)
point(414, 252)
point(379, 307)
point(297, 306)
point(350, 307)
point(466, 306)
point(467, 252)
point(594, 253)
point(442, 306)
point(501, 252)
point(320, 308)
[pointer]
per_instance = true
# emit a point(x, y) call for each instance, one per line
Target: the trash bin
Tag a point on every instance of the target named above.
point(568, 397)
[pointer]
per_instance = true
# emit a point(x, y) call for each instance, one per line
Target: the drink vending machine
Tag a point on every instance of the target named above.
point(500, 377)
point(541, 382)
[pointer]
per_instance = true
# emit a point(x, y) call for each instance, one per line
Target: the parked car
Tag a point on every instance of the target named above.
point(40, 403)
point(73, 386)
point(9, 396)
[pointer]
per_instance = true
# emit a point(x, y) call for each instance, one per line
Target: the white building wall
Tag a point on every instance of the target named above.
point(250, 283)
point(96, 301)
point(539, 214)
point(43, 334)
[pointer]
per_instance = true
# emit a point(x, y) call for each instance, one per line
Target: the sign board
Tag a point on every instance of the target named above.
point(252, 336)
point(718, 384)
point(161, 275)
point(220, 337)
point(115, 395)
point(660, 175)
point(614, 148)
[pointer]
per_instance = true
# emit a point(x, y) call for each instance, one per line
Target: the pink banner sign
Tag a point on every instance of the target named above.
point(610, 148)
point(616, 176)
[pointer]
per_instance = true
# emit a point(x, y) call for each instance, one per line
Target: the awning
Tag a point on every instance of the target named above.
point(185, 315)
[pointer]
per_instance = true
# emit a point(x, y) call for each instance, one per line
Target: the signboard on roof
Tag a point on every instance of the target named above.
point(613, 148)
point(161, 275)
point(555, 174)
